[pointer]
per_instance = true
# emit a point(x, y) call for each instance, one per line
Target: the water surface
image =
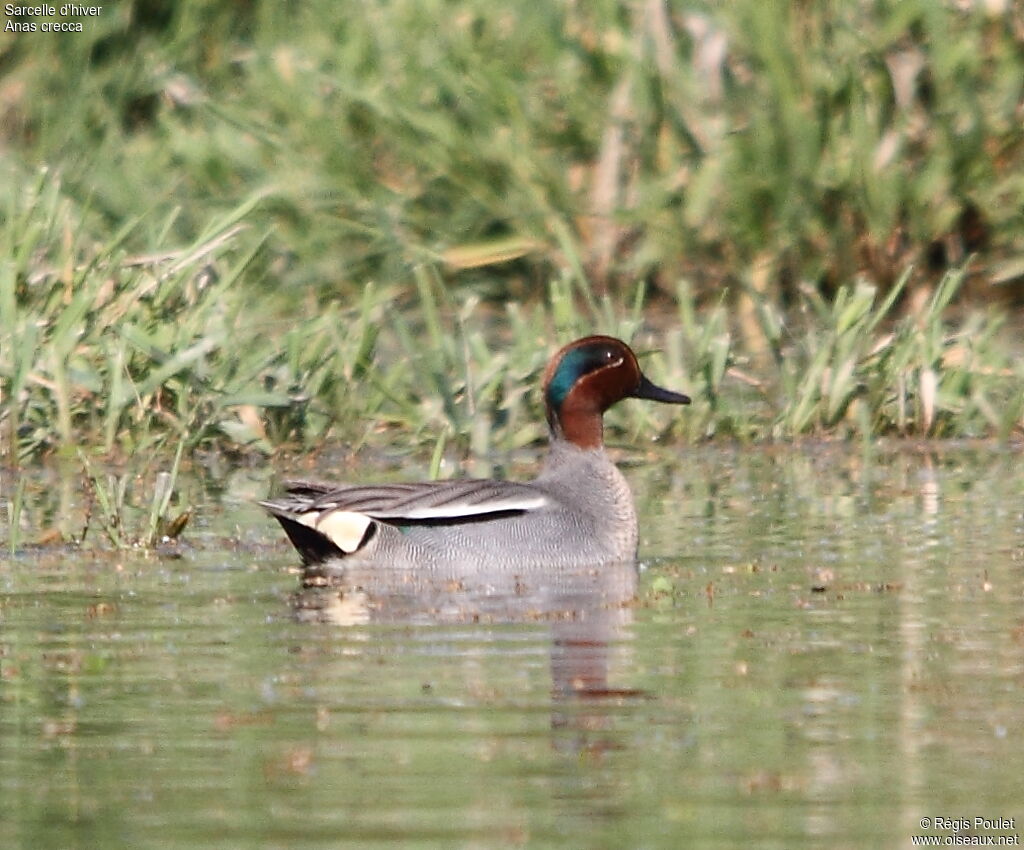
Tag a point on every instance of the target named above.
point(822, 646)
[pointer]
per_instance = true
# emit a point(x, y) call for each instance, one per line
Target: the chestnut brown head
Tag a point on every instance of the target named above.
point(588, 376)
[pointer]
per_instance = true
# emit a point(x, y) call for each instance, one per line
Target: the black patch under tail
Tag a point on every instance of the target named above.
point(313, 547)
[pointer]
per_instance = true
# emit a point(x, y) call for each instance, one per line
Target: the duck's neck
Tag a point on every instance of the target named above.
point(564, 458)
point(577, 424)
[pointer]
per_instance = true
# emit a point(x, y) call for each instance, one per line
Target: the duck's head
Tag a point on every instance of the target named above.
point(588, 376)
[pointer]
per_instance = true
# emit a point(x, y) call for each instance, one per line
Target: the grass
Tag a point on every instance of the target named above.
point(276, 227)
point(125, 354)
point(108, 502)
point(617, 142)
point(111, 355)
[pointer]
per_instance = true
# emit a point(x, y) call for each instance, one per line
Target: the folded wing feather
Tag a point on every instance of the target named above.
point(343, 514)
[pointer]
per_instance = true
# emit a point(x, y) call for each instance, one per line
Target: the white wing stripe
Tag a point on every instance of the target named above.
point(457, 509)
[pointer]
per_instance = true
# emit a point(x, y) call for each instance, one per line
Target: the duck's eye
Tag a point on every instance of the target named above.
point(611, 357)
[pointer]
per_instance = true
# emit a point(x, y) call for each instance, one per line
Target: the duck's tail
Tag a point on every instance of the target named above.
point(313, 546)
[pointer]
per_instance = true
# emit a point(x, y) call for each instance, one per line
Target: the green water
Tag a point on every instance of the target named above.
point(822, 648)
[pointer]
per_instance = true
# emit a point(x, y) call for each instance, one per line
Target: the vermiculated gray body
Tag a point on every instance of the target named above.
point(589, 520)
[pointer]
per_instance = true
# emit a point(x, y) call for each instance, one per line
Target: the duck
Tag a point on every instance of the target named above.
point(577, 513)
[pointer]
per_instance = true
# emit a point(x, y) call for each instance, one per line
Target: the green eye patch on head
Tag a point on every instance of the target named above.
point(576, 363)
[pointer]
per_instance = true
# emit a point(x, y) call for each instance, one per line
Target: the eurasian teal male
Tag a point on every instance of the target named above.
point(578, 512)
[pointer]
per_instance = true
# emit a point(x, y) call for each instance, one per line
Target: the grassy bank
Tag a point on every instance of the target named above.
point(740, 144)
point(122, 353)
point(271, 225)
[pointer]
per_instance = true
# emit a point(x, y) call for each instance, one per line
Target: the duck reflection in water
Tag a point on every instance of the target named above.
point(585, 613)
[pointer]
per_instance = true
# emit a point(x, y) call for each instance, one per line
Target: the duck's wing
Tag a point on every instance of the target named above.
point(403, 504)
point(321, 519)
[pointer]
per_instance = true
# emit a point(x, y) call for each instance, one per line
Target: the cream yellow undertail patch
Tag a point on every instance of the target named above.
point(345, 529)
